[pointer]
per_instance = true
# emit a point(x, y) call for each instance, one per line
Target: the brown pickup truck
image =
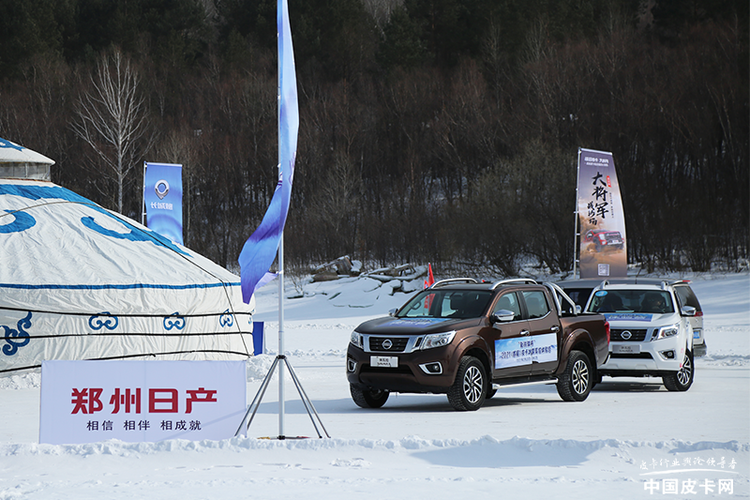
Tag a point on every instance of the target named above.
point(466, 339)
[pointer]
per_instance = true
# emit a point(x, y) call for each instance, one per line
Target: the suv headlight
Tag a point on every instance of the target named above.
point(667, 331)
point(437, 340)
point(356, 339)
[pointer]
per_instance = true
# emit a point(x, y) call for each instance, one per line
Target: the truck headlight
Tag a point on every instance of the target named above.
point(437, 340)
point(356, 339)
point(667, 331)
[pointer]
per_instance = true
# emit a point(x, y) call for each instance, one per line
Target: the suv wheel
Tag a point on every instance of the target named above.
point(368, 398)
point(576, 381)
point(683, 379)
point(470, 387)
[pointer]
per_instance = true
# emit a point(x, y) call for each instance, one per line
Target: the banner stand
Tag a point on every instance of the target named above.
point(576, 227)
point(600, 219)
point(303, 395)
point(162, 199)
point(257, 248)
point(281, 361)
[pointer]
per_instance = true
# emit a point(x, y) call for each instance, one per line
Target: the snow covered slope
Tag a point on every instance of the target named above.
point(630, 439)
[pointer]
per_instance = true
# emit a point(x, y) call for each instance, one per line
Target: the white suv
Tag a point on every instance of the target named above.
point(686, 297)
point(651, 334)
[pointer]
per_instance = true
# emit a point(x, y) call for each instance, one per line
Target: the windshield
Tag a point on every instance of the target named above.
point(446, 304)
point(579, 295)
point(643, 301)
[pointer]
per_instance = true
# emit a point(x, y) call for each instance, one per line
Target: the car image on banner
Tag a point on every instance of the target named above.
point(604, 239)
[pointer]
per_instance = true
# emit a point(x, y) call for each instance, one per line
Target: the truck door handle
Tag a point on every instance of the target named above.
point(524, 332)
point(555, 329)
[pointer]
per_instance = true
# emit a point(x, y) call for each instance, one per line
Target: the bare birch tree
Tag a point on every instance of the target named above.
point(112, 118)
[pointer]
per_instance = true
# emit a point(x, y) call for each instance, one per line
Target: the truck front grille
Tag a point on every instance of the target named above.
point(635, 335)
point(398, 344)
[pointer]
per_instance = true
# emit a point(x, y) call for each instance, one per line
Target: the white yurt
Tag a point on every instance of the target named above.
point(78, 281)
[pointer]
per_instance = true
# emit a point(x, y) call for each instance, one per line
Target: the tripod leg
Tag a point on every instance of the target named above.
point(306, 400)
point(258, 397)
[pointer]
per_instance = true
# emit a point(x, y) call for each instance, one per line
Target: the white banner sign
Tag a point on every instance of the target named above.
point(519, 351)
point(601, 217)
point(89, 401)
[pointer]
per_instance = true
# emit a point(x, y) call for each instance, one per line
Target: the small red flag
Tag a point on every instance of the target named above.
point(430, 279)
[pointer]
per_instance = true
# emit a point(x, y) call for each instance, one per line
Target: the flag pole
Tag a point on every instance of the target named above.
point(576, 227)
point(281, 267)
point(257, 254)
point(281, 355)
point(281, 336)
point(143, 207)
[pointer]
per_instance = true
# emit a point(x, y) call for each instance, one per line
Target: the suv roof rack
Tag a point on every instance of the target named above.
point(528, 281)
point(679, 282)
point(601, 285)
point(663, 284)
point(453, 280)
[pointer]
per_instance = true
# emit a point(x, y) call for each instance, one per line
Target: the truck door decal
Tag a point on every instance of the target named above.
point(520, 351)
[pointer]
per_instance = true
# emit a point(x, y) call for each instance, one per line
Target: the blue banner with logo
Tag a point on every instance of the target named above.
point(162, 197)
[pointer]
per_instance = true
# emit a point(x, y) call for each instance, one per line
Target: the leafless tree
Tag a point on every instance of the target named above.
point(381, 10)
point(113, 119)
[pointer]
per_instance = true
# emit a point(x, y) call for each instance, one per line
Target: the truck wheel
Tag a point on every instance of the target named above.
point(470, 387)
point(576, 381)
point(683, 379)
point(368, 398)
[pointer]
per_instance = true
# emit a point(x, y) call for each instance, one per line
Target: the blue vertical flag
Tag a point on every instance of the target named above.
point(260, 249)
point(162, 199)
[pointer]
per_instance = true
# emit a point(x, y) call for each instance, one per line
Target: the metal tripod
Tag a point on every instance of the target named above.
point(284, 362)
point(303, 395)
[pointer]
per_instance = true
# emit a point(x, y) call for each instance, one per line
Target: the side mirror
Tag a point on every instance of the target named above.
point(502, 316)
point(689, 311)
point(578, 309)
point(392, 312)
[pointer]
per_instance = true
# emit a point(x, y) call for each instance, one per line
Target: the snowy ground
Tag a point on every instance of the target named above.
point(630, 439)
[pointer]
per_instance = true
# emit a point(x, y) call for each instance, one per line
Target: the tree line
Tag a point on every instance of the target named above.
point(430, 130)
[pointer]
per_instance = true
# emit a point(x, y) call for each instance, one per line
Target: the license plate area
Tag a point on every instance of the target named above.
point(384, 361)
point(626, 349)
